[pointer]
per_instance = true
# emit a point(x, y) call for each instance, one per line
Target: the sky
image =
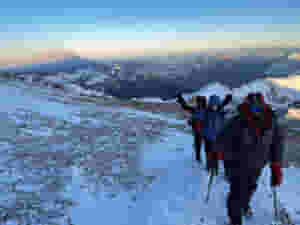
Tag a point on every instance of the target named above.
point(113, 28)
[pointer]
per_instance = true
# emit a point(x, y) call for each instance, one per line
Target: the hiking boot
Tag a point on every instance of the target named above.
point(230, 223)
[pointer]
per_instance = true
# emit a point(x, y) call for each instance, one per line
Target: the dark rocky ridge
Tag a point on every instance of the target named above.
point(232, 71)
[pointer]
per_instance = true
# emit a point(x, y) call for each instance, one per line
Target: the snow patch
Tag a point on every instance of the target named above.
point(150, 100)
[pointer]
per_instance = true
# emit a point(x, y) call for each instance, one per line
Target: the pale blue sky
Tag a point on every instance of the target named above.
point(112, 24)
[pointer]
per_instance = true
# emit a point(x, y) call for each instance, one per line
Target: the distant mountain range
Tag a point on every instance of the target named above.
point(275, 61)
point(286, 64)
point(69, 64)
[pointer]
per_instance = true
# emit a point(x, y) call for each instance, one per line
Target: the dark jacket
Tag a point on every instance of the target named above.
point(244, 150)
point(202, 99)
point(201, 126)
point(189, 108)
point(198, 113)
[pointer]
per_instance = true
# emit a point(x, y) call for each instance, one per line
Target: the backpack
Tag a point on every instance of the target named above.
point(256, 113)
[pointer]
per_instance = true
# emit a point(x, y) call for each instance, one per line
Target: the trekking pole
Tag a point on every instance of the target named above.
point(264, 175)
point(211, 176)
point(275, 206)
point(282, 217)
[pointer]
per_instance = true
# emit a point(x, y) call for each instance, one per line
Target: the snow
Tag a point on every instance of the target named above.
point(54, 80)
point(176, 188)
point(93, 209)
point(277, 91)
point(77, 83)
point(211, 89)
point(151, 100)
point(99, 79)
point(132, 112)
point(178, 195)
point(15, 100)
point(292, 81)
point(75, 89)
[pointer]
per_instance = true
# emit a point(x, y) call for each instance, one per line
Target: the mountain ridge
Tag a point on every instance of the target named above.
point(67, 64)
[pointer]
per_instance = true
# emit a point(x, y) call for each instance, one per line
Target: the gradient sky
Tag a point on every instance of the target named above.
point(108, 28)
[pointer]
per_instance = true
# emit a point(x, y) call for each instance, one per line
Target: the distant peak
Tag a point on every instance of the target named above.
point(75, 57)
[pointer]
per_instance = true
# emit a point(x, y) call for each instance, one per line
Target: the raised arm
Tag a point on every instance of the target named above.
point(226, 101)
point(184, 105)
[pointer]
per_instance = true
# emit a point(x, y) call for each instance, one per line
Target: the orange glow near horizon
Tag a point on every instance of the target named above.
point(106, 49)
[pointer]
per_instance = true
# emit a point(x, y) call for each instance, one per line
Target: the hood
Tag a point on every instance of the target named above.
point(214, 100)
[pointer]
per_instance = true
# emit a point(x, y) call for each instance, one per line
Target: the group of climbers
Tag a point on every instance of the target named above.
point(246, 144)
point(206, 120)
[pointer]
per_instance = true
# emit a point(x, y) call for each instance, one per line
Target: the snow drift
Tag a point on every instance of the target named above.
point(175, 195)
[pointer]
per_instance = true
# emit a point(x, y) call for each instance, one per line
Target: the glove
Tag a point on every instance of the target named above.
point(212, 163)
point(277, 175)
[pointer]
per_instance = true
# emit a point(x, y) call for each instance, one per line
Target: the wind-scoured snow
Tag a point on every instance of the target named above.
point(82, 82)
point(178, 196)
point(153, 100)
point(84, 164)
point(15, 98)
point(67, 148)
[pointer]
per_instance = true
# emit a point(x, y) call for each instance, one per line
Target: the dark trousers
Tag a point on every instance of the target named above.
point(209, 145)
point(198, 140)
point(243, 184)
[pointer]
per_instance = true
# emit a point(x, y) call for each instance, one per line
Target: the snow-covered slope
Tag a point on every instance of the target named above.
point(274, 94)
point(214, 88)
point(64, 64)
point(208, 90)
point(277, 91)
point(84, 82)
point(292, 82)
point(85, 164)
point(178, 196)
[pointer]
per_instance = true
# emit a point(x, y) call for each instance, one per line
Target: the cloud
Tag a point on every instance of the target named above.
point(37, 56)
point(110, 48)
point(106, 49)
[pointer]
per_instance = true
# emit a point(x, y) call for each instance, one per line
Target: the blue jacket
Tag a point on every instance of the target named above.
point(214, 122)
